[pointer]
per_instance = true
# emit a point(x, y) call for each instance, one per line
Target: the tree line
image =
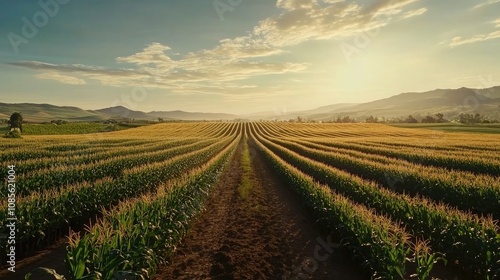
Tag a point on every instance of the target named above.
point(464, 118)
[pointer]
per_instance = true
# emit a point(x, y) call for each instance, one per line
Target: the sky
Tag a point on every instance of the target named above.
point(242, 56)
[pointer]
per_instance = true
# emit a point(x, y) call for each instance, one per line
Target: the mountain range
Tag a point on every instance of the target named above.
point(450, 102)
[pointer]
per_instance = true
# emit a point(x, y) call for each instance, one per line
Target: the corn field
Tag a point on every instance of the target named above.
point(401, 200)
point(444, 196)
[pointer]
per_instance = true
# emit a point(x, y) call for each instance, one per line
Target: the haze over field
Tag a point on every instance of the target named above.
point(242, 57)
point(449, 102)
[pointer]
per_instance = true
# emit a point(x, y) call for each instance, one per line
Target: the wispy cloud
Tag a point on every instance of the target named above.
point(107, 76)
point(386, 6)
point(78, 68)
point(497, 22)
point(414, 13)
point(305, 20)
point(459, 40)
point(61, 78)
point(236, 59)
point(489, 2)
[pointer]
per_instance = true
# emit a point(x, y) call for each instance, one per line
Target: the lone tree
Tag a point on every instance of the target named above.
point(16, 121)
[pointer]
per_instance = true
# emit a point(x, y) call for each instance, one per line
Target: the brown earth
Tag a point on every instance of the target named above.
point(51, 257)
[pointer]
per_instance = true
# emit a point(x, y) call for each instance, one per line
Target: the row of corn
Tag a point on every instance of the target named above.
point(56, 177)
point(131, 240)
point(37, 148)
point(472, 161)
point(88, 156)
point(381, 246)
point(43, 217)
point(471, 240)
point(477, 193)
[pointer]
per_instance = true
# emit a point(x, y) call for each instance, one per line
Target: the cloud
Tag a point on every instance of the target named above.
point(413, 13)
point(305, 20)
point(296, 4)
point(154, 53)
point(387, 5)
point(459, 40)
point(61, 78)
point(78, 68)
point(234, 60)
point(497, 22)
point(110, 77)
point(489, 2)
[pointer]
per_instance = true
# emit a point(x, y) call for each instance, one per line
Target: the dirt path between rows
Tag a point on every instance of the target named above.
point(265, 234)
point(50, 257)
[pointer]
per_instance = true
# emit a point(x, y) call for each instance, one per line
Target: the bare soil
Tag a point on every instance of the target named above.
point(50, 257)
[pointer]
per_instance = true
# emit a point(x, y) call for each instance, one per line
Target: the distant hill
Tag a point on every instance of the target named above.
point(123, 112)
point(181, 115)
point(493, 92)
point(46, 112)
point(450, 102)
point(284, 115)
